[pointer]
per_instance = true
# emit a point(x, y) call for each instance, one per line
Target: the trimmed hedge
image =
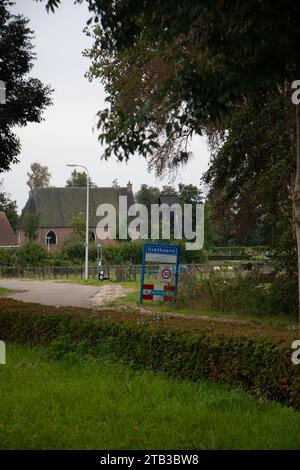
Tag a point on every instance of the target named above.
point(261, 365)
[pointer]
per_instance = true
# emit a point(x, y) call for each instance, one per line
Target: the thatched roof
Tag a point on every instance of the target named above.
point(58, 206)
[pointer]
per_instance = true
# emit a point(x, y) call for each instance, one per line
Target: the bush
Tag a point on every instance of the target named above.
point(31, 254)
point(260, 364)
point(8, 256)
point(244, 295)
point(123, 252)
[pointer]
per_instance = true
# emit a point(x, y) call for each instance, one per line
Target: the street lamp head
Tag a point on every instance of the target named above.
point(76, 165)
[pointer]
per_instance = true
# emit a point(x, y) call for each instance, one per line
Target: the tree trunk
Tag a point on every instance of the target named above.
point(296, 201)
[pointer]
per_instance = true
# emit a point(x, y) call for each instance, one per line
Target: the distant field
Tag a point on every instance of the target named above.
point(79, 403)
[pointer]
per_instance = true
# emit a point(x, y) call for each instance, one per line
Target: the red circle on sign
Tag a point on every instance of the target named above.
point(166, 273)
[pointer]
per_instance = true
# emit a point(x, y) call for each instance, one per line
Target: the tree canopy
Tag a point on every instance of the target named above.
point(26, 97)
point(174, 68)
point(78, 179)
point(30, 225)
point(38, 177)
point(251, 174)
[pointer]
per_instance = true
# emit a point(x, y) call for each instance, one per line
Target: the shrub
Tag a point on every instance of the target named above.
point(31, 254)
point(245, 295)
point(73, 252)
point(8, 256)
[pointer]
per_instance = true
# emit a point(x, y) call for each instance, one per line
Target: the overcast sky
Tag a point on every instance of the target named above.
point(66, 135)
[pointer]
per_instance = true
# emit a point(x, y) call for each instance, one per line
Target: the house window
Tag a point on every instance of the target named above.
point(51, 238)
point(92, 236)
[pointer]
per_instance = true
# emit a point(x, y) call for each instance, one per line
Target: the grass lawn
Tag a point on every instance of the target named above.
point(99, 404)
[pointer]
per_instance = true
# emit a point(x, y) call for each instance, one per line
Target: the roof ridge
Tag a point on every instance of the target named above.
point(79, 187)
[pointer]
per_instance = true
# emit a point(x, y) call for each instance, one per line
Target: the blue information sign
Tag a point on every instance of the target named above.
point(159, 253)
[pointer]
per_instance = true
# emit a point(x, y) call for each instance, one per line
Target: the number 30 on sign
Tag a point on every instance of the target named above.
point(166, 273)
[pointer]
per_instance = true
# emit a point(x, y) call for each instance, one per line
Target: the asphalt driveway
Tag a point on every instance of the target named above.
point(51, 292)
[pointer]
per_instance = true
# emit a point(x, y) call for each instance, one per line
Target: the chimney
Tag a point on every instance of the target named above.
point(129, 187)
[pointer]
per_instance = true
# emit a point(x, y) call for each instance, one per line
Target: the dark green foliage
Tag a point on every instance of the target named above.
point(78, 227)
point(78, 180)
point(26, 97)
point(73, 252)
point(240, 295)
point(8, 257)
point(189, 194)
point(262, 365)
point(123, 252)
point(252, 203)
point(148, 195)
point(200, 59)
point(30, 225)
point(31, 254)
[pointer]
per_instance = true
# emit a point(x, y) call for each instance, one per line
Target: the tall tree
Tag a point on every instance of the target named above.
point(78, 226)
point(168, 189)
point(38, 177)
point(30, 225)
point(210, 57)
point(190, 194)
point(175, 68)
point(78, 179)
point(26, 97)
point(147, 195)
point(254, 200)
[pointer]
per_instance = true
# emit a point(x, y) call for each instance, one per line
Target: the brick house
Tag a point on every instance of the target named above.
point(7, 235)
point(58, 206)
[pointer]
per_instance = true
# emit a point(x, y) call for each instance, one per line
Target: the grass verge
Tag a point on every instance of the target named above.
point(168, 307)
point(86, 403)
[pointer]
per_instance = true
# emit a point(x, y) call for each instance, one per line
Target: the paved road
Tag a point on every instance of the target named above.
point(51, 292)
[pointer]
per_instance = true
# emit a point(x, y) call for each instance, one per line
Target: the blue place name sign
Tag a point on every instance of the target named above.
point(158, 253)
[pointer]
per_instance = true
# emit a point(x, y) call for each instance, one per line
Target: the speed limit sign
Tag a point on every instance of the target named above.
point(166, 273)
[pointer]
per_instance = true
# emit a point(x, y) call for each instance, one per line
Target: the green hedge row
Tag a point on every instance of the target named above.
point(259, 364)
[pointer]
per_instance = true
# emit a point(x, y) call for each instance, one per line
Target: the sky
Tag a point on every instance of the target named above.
point(66, 135)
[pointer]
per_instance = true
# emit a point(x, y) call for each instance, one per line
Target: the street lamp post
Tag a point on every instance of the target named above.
point(86, 267)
